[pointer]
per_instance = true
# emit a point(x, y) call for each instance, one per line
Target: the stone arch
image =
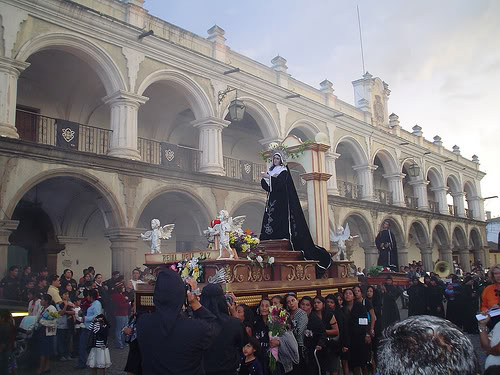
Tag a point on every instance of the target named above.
point(253, 209)
point(116, 217)
point(459, 237)
point(389, 162)
point(405, 163)
point(307, 127)
point(359, 155)
point(397, 228)
point(475, 239)
point(470, 189)
point(435, 177)
point(261, 115)
point(362, 223)
point(210, 214)
point(454, 183)
point(440, 235)
point(107, 69)
point(418, 229)
point(197, 98)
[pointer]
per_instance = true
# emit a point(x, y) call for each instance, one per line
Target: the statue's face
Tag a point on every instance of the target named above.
point(277, 160)
point(154, 223)
point(340, 230)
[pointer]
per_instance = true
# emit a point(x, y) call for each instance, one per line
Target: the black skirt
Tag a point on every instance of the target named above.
point(134, 360)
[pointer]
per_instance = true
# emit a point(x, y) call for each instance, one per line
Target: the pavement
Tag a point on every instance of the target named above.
point(119, 359)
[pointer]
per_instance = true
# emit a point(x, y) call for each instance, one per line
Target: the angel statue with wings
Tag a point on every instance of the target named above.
point(340, 237)
point(157, 234)
point(227, 225)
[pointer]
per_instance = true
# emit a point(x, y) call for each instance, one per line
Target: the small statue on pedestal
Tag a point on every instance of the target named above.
point(157, 234)
point(226, 226)
point(340, 237)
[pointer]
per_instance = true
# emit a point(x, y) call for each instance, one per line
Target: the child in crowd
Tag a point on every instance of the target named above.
point(99, 359)
point(251, 365)
point(78, 325)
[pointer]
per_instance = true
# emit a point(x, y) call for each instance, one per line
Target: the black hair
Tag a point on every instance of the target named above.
point(323, 300)
point(52, 278)
point(426, 344)
point(93, 293)
point(248, 315)
point(12, 268)
point(306, 298)
point(280, 298)
point(254, 343)
point(212, 298)
point(48, 298)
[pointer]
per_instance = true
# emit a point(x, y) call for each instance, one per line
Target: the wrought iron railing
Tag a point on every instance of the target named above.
point(43, 129)
point(452, 210)
point(469, 213)
point(169, 155)
point(349, 190)
point(383, 196)
point(434, 206)
point(243, 169)
point(411, 202)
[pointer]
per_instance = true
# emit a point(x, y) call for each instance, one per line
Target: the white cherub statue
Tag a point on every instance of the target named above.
point(226, 226)
point(157, 234)
point(341, 236)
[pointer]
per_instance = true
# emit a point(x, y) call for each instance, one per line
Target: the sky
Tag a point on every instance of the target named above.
point(441, 59)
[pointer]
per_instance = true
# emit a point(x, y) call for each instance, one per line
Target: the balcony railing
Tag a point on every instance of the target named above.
point(411, 202)
point(434, 206)
point(169, 155)
point(349, 190)
point(452, 210)
point(243, 170)
point(383, 196)
point(469, 213)
point(43, 129)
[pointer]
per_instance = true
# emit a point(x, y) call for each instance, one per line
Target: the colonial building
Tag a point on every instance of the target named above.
point(110, 117)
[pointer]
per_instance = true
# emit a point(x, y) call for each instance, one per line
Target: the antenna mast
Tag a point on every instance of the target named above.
point(361, 42)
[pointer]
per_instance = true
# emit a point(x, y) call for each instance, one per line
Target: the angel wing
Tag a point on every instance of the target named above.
point(147, 235)
point(237, 222)
point(166, 231)
point(344, 236)
point(347, 231)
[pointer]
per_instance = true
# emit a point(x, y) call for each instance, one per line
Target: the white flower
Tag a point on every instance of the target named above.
point(271, 260)
point(248, 257)
point(256, 240)
point(259, 259)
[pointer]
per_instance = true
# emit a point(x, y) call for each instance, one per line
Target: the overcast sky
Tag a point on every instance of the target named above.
point(441, 59)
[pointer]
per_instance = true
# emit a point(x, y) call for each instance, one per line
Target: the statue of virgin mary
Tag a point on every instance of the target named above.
point(283, 216)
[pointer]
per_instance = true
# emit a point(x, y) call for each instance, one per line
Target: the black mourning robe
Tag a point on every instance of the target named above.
point(284, 219)
point(416, 300)
point(390, 310)
point(388, 255)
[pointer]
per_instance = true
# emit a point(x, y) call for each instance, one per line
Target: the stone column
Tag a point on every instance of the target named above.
point(486, 255)
point(365, 179)
point(331, 185)
point(6, 228)
point(475, 206)
point(440, 194)
point(403, 256)
point(464, 257)
point(123, 249)
point(212, 159)
point(420, 191)
point(459, 203)
point(371, 254)
point(124, 108)
point(446, 255)
point(9, 73)
point(395, 182)
point(426, 254)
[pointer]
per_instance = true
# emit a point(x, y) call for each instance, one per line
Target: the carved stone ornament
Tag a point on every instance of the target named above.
point(298, 272)
point(247, 167)
point(169, 155)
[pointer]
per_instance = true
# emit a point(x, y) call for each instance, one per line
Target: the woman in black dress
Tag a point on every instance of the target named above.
point(434, 299)
point(332, 301)
point(314, 337)
point(260, 331)
point(357, 331)
point(329, 356)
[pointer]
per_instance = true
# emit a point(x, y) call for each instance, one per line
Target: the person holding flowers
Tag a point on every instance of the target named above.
point(46, 326)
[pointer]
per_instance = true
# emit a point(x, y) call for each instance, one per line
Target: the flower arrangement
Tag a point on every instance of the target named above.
point(243, 242)
point(291, 153)
point(375, 270)
point(190, 268)
point(260, 259)
point(53, 315)
point(277, 321)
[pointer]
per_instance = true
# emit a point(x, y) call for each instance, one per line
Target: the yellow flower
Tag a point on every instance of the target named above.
point(185, 272)
point(244, 247)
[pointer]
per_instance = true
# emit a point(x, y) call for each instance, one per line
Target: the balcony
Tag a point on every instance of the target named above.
point(349, 190)
point(383, 196)
point(243, 170)
point(411, 202)
point(469, 213)
point(452, 210)
point(169, 155)
point(434, 206)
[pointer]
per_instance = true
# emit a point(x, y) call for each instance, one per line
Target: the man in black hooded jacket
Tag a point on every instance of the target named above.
point(169, 341)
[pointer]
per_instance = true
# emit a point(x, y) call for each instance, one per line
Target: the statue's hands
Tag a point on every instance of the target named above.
point(265, 174)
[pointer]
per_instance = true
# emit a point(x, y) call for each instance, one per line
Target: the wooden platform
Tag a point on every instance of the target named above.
point(250, 282)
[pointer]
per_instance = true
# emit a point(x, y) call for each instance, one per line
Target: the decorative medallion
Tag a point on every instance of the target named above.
point(68, 134)
point(247, 167)
point(169, 155)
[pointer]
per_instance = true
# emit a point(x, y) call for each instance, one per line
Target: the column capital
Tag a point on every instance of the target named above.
point(12, 66)
point(458, 194)
point(419, 182)
point(364, 167)
point(332, 155)
point(123, 234)
point(125, 97)
point(394, 176)
point(8, 225)
point(441, 188)
point(211, 122)
point(425, 248)
point(316, 176)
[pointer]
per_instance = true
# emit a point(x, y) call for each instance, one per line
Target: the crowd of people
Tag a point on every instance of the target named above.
point(70, 319)
point(207, 332)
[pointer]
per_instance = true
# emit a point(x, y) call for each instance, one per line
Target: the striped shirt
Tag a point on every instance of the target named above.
point(100, 332)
